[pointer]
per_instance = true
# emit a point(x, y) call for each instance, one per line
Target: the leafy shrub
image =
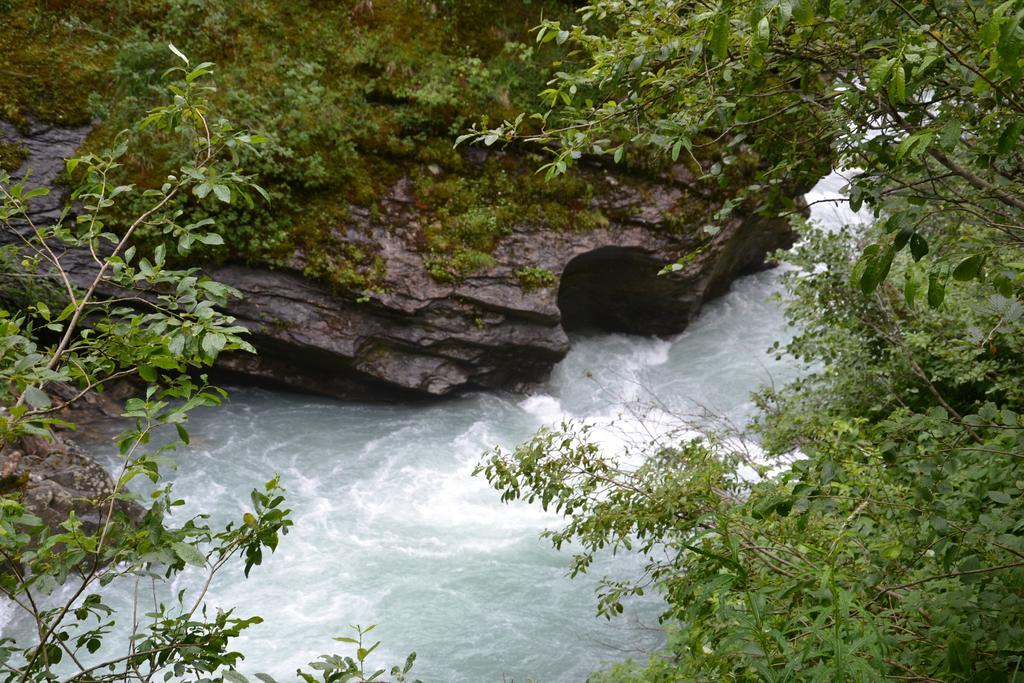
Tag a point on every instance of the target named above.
point(536, 278)
point(136, 316)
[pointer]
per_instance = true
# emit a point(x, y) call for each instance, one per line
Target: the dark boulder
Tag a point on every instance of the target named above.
point(54, 477)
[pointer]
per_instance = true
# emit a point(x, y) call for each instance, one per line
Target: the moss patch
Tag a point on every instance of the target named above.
point(12, 156)
point(352, 95)
point(49, 62)
point(536, 278)
point(465, 214)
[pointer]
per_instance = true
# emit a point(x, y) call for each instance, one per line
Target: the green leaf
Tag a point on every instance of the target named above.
point(176, 346)
point(910, 290)
point(27, 361)
point(196, 73)
point(223, 193)
point(804, 11)
point(1008, 140)
point(914, 145)
point(915, 283)
point(898, 85)
point(877, 269)
point(1008, 46)
point(958, 654)
point(902, 238)
point(235, 677)
point(213, 342)
point(785, 13)
point(856, 198)
point(923, 140)
point(999, 497)
point(950, 136)
point(918, 246)
point(921, 68)
point(720, 36)
point(857, 273)
point(969, 268)
point(211, 238)
point(36, 397)
point(177, 52)
point(936, 290)
point(763, 35)
point(189, 554)
point(1004, 286)
point(879, 74)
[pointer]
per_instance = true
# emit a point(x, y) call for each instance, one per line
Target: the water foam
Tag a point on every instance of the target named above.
point(391, 527)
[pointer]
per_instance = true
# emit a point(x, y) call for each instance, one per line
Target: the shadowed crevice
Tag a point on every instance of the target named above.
point(618, 289)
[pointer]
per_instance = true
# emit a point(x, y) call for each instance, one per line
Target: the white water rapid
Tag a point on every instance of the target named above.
point(390, 527)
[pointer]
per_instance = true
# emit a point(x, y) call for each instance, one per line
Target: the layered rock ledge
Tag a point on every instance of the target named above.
point(412, 335)
point(421, 337)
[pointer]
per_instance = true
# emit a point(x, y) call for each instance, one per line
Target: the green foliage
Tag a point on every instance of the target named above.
point(340, 669)
point(37, 49)
point(20, 289)
point(351, 96)
point(923, 97)
point(536, 278)
point(466, 215)
point(855, 564)
point(876, 533)
point(128, 313)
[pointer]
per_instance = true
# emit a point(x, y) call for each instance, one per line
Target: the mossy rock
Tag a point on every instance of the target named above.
point(12, 156)
point(353, 96)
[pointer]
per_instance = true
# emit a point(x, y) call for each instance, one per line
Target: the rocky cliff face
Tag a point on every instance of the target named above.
point(502, 326)
point(493, 329)
point(46, 147)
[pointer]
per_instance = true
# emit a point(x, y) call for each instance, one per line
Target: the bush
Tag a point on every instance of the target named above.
point(136, 316)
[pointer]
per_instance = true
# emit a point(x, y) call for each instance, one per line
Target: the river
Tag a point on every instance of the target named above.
point(392, 529)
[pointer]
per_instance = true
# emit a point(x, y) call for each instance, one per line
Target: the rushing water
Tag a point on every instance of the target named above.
point(392, 529)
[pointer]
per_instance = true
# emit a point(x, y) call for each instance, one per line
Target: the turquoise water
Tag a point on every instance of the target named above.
point(392, 529)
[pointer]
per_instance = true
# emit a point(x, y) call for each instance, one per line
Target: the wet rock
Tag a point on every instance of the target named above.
point(420, 337)
point(54, 477)
point(413, 336)
point(48, 146)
